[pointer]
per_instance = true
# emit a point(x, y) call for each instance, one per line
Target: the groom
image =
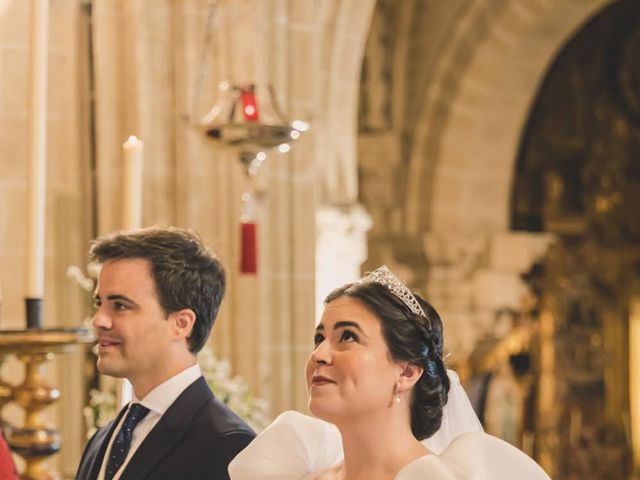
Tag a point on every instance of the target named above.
point(157, 296)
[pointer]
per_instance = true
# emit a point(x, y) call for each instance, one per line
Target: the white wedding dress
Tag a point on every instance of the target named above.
point(299, 447)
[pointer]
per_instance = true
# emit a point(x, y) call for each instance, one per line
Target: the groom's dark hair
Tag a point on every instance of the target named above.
point(186, 275)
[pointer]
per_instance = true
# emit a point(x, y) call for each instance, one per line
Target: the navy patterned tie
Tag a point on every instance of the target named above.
point(122, 442)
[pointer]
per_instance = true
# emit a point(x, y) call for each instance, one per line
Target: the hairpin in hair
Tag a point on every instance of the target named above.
point(396, 286)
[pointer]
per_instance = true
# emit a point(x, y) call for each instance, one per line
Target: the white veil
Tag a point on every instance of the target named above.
point(458, 417)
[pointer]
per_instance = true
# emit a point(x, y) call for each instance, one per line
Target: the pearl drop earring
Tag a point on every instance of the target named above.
point(396, 396)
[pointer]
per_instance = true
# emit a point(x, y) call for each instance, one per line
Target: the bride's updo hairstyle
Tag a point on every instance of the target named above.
point(412, 338)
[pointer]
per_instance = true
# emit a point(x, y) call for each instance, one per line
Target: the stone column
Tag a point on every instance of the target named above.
point(341, 248)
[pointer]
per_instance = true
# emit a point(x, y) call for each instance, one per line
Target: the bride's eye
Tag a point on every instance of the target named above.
point(318, 338)
point(348, 336)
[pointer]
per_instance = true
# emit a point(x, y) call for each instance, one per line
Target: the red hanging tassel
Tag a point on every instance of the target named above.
point(249, 248)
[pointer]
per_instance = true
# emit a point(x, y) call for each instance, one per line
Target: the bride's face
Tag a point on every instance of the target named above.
point(350, 372)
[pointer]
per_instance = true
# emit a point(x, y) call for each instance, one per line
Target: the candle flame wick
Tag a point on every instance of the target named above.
point(132, 140)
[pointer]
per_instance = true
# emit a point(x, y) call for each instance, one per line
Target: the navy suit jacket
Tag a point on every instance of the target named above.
point(196, 438)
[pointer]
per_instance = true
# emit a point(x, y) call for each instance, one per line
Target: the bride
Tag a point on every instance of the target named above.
point(386, 408)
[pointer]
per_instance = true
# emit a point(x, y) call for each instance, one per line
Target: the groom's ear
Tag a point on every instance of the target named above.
point(183, 322)
point(410, 375)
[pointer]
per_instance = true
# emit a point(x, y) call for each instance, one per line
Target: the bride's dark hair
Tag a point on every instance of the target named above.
point(410, 338)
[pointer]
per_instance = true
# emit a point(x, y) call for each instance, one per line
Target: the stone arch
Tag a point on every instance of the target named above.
point(343, 28)
point(341, 224)
point(467, 137)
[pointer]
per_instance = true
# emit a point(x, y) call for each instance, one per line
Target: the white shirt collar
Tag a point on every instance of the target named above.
point(160, 398)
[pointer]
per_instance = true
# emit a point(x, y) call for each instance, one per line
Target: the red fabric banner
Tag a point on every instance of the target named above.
point(7, 467)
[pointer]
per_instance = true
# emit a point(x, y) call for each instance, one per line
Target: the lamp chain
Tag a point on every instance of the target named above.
point(207, 44)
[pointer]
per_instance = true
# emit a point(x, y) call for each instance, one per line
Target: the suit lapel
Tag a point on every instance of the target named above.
point(173, 425)
point(101, 442)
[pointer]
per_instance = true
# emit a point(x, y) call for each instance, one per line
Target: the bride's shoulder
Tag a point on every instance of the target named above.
point(290, 448)
point(489, 457)
point(474, 455)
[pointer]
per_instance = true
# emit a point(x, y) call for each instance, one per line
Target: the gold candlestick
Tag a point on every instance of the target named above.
point(37, 440)
point(6, 390)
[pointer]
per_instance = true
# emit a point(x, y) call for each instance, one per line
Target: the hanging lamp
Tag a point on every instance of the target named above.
point(247, 118)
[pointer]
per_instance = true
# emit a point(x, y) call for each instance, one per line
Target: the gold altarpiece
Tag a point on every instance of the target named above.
point(577, 177)
point(584, 418)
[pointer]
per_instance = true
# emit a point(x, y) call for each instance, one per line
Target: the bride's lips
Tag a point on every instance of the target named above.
point(318, 380)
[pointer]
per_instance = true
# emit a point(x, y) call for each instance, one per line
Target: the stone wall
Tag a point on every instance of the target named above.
point(68, 199)
point(146, 58)
point(446, 90)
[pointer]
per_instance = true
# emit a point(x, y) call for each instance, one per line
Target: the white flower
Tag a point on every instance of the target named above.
point(93, 269)
point(233, 391)
point(75, 273)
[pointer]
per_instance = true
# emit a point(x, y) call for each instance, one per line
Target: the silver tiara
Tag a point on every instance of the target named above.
point(396, 286)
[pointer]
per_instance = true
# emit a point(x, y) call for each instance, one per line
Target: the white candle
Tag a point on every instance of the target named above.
point(133, 150)
point(133, 157)
point(37, 147)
